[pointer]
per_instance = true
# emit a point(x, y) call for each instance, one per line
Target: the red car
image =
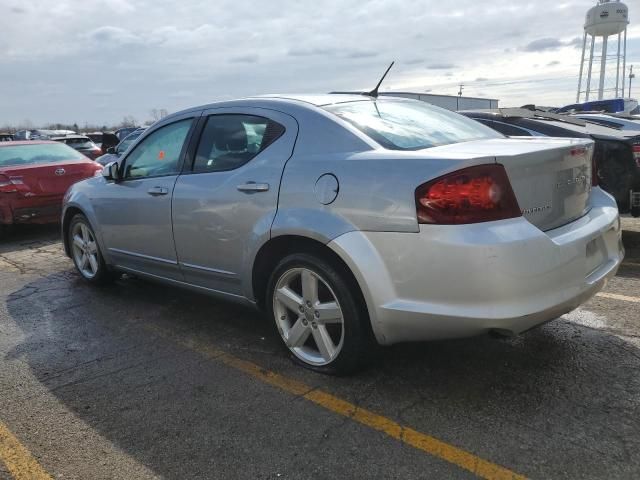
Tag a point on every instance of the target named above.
point(34, 176)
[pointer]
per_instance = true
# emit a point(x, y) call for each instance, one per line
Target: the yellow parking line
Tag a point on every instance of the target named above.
point(615, 296)
point(18, 460)
point(428, 444)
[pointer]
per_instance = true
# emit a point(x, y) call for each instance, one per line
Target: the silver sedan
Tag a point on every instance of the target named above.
point(352, 220)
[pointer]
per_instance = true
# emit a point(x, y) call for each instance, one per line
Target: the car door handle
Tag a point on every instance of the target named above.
point(251, 187)
point(156, 191)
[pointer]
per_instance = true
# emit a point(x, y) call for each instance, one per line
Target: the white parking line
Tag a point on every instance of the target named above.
point(615, 296)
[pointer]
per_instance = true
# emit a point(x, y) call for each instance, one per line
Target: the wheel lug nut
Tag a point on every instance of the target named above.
point(305, 322)
point(314, 324)
point(317, 314)
point(308, 304)
point(283, 317)
point(301, 309)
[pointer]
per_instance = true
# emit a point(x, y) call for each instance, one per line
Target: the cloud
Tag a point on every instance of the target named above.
point(62, 54)
point(441, 66)
point(249, 58)
point(543, 44)
point(481, 79)
point(309, 52)
point(361, 54)
point(553, 63)
point(112, 36)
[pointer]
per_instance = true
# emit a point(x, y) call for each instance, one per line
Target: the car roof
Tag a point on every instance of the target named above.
point(563, 121)
point(72, 137)
point(17, 143)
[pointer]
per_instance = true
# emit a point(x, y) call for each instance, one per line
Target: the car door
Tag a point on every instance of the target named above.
point(226, 204)
point(134, 213)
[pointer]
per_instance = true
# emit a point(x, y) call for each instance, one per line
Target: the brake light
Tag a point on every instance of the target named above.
point(636, 154)
point(6, 185)
point(471, 195)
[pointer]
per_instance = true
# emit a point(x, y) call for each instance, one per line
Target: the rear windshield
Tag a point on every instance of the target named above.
point(410, 125)
point(78, 142)
point(38, 153)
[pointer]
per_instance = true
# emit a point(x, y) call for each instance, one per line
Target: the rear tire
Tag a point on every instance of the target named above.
point(318, 315)
point(85, 252)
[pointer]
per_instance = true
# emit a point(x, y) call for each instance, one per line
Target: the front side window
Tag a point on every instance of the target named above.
point(400, 125)
point(230, 141)
point(159, 153)
point(37, 153)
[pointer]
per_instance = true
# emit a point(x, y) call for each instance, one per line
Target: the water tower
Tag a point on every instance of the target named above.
point(606, 19)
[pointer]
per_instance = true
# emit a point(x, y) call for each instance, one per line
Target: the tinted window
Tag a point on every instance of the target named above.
point(410, 125)
point(159, 153)
point(505, 129)
point(230, 141)
point(37, 153)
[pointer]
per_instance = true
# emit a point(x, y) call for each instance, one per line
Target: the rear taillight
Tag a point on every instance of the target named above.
point(6, 185)
point(471, 195)
point(636, 154)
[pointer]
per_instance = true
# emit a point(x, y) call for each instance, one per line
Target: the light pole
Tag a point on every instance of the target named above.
point(631, 77)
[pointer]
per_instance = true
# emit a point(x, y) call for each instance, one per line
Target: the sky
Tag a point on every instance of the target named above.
point(97, 61)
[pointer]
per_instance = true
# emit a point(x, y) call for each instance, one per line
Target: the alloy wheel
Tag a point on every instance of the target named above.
point(308, 316)
point(85, 250)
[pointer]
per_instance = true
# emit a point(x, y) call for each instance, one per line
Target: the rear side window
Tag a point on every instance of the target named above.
point(37, 153)
point(505, 128)
point(404, 125)
point(230, 141)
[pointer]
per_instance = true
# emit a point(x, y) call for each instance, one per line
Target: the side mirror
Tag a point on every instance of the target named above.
point(111, 150)
point(111, 171)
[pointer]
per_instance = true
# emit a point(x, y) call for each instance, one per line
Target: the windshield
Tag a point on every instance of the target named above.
point(37, 153)
point(410, 125)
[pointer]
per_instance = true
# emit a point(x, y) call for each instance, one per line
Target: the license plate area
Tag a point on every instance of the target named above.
point(595, 255)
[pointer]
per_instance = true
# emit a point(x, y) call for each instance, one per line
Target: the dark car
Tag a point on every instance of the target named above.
point(34, 176)
point(112, 154)
point(616, 154)
point(81, 143)
point(104, 140)
point(121, 133)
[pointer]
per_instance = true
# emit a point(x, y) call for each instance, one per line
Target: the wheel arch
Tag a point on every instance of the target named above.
point(277, 248)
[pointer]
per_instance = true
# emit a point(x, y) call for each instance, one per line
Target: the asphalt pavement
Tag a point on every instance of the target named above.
point(139, 380)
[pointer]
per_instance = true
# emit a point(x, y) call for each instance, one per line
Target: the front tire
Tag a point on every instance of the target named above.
point(319, 314)
point(85, 251)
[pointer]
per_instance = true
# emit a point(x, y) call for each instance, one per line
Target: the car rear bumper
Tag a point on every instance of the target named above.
point(18, 209)
point(452, 281)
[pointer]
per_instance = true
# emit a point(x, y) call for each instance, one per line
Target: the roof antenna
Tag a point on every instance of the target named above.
point(374, 93)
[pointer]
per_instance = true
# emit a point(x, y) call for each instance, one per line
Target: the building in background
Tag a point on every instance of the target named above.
point(450, 102)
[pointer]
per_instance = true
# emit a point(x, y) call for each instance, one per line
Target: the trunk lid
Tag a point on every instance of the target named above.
point(49, 179)
point(551, 177)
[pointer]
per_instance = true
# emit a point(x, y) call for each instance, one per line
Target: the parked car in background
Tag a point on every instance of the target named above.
point(41, 134)
point(34, 175)
point(617, 153)
point(113, 153)
point(611, 105)
point(6, 137)
point(104, 140)
point(619, 122)
point(351, 220)
point(81, 143)
point(121, 133)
